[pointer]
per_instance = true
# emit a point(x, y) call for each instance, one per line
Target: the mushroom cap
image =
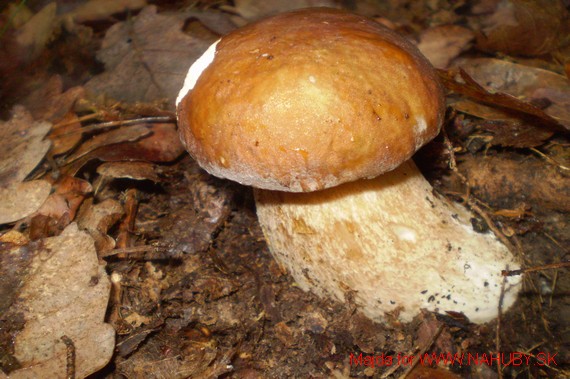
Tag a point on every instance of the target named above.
point(307, 100)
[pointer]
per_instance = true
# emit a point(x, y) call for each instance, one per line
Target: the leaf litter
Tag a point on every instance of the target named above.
point(195, 292)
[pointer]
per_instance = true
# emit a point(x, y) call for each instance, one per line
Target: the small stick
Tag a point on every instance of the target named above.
point(498, 330)
point(535, 268)
point(549, 159)
point(134, 250)
point(110, 124)
point(422, 352)
point(70, 357)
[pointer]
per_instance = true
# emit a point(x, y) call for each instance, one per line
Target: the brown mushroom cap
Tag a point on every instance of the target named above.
point(310, 99)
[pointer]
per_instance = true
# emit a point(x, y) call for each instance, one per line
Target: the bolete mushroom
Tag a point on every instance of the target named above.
point(321, 110)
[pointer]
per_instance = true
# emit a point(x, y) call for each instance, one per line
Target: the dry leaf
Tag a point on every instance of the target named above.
point(442, 44)
point(24, 148)
point(130, 170)
point(122, 134)
point(63, 291)
point(530, 84)
point(524, 27)
point(162, 146)
point(24, 145)
point(252, 10)
point(22, 199)
point(425, 372)
point(34, 35)
point(18, 14)
point(66, 134)
point(461, 83)
point(516, 134)
point(68, 195)
point(98, 219)
point(48, 101)
point(146, 59)
point(94, 10)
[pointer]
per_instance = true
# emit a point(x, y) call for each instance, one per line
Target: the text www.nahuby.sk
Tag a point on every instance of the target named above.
point(457, 359)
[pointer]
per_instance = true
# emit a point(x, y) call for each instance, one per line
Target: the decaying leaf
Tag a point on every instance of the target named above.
point(98, 219)
point(460, 82)
point(66, 134)
point(441, 44)
point(524, 27)
point(34, 35)
point(49, 102)
point(22, 199)
point(68, 195)
point(24, 145)
point(64, 292)
point(24, 148)
point(94, 10)
point(147, 58)
point(131, 170)
point(252, 10)
point(550, 91)
point(516, 134)
point(131, 133)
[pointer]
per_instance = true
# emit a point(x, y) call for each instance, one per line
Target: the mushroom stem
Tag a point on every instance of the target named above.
point(391, 241)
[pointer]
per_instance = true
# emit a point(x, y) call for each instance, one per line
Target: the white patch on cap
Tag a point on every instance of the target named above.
point(421, 125)
point(419, 129)
point(196, 70)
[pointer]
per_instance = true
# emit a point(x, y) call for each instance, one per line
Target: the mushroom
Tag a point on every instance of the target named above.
point(321, 111)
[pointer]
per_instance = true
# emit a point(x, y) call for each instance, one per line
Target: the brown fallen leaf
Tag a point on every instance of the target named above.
point(459, 81)
point(24, 145)
point(252, 10)
point(22, 199)
point(98, 219)
point(62, 291)
point(66, 134)
point(34, 35)
point(15, 238)
point(48, 102)
point(129, 170)
point(515, 134)
point(442, 44)
point(123, 134)
point(524, 27)
point(549, 90)
point(163, 145)
point(423, 372)
point(24, 148)
point(146, 58)
point(60, 207)
point(94, 10)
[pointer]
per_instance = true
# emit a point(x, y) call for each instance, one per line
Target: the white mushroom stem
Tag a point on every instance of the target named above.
point(393, 243)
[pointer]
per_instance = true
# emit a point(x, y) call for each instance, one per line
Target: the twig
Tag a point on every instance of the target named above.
point(452, 161)
point(134, 250)
point(476, 208)
point(422, 352)
point(87, 117)
point(498, 329)
point(550, 159)
point(535, 268)
point(70, 357)
point(110, 124)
